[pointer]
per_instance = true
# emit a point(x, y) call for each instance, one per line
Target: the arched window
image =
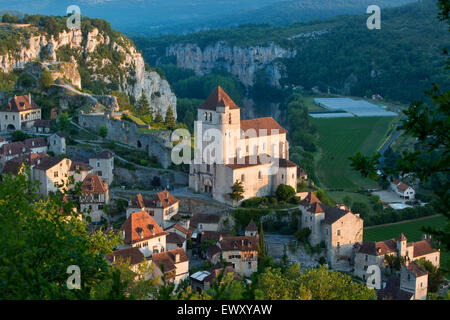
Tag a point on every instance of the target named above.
point(210, 116)
point(206, 116)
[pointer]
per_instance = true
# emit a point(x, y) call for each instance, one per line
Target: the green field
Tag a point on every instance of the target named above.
point(340, 138)
point(412, 231)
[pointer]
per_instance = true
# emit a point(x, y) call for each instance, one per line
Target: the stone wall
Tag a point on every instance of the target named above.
point(142, 178)
point(155, 143)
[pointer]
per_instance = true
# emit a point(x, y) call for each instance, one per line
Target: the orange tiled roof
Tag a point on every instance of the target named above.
point(20, 103)
point(241, 243)
point(93, 184)
point(141, 226)
point(164, 199)
point(168, 259)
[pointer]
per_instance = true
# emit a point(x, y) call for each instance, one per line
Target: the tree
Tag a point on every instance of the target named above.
point(237, 191)
point(284, 192)
point(361, 208)
point(158, 117)
point(19, 136)
point(39, 242)
point(394, 262)
point(170, 121)
point(63, 122)
point(303, 234)
point(143, 108)
point(347, 201)
point(312, 284)
point(46, 79)
point(435, 275)
point(103, 131)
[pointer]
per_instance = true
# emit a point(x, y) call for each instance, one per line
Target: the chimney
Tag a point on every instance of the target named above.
point(177, 257)
point(29, 98)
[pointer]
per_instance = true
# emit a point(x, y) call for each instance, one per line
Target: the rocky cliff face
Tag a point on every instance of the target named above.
point(242, 62)
point(131, 73)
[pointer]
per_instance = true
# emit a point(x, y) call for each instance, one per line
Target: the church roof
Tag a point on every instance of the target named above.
point(218, 98)
point(262, 126)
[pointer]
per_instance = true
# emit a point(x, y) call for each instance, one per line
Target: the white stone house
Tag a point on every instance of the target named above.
point(94, 197)
point(51, 173)
point(141, 230)
point(241, 252)
point(403, 190)
point(103, 165)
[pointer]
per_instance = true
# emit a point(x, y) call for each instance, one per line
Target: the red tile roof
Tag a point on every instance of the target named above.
point(241, 243)
point(173, 237)
point(218, 98)
point(93, 184)
point(182, 229)
point(416, 269)
point(14, 148)
point(423, 247)
point(19, 104)
point(132, 255)
point(168, 259)
point(262, 126)
point(35, 142)
point(164, 199)
point(310, 199)
point(141, 223)
point(378, 248)
point(105, 154)
point(47, 163)
point(140, 202)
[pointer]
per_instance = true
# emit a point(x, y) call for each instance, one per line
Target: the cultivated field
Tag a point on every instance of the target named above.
point(341, 138)
point(412, 230)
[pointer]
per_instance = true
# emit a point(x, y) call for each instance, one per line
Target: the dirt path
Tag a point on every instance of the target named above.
point(400, 222)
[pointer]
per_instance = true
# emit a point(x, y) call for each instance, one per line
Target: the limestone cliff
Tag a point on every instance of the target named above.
point(113, 63)
point(243, 62)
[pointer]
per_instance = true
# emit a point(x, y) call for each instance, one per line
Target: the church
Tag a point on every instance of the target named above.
point(254, 152)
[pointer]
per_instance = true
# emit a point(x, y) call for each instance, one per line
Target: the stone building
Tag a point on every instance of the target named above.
point(412, 284)
point(241, 252)
point(374, 253)
point(162, 207)
point(52, 174)
point(94, 197)
point(254, 152)
point(57, 143)
point(79, 171)
point(141, 230)
point(103, 165)
point(337, 227)
point(36, 145)
point(12, 150)
point(16, 165)
point(19, 113)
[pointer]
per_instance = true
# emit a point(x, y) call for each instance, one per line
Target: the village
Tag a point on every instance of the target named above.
point(189, 233)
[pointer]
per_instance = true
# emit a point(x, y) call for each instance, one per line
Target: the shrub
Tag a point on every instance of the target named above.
point(284, 192)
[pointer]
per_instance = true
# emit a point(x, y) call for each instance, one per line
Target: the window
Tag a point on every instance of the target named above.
point(210, 116)
point(339, 232)
point(249, 265)
point(55, 184)
point(367, 257)
point(229, 118)
point(242, 177)
point(6, 117)
point(206, 116)
point(55, 174)
point(98, 164)
point(100, 207)
point(260, 175)
point(99, 173)
point(282, 176)
point(338, 244)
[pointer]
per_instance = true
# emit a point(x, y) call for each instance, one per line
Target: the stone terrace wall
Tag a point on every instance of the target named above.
point(155, 144)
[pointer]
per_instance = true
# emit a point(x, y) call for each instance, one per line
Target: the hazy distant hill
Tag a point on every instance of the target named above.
point(154, 17)
point(399, 61)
